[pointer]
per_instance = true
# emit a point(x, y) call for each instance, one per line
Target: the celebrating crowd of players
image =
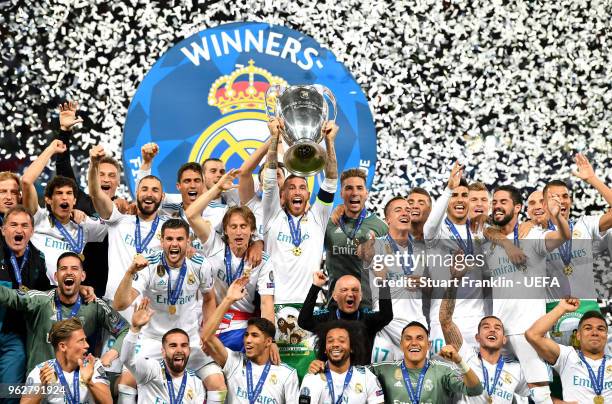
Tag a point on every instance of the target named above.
point(191, 282)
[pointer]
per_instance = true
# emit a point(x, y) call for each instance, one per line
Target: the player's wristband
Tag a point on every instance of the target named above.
point(463, 367)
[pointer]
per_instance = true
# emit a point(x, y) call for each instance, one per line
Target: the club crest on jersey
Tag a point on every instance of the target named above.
point(205, 97)
point(273, 378)
point(358, 388)
point(191, 279)
point(189, 394)
point(161, 271)
point(428, 385)
point(507, 378)
point(398, 374)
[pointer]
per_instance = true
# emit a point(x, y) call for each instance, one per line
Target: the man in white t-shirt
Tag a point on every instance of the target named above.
point(54, 230)
point(251, 376)
point(584, 373)
point(519, 306)
point(341, 380)
point(172, 282)
point(446, 231)
point(500, 377)
point(163, 379)
point(227, 255)
point(73, 373)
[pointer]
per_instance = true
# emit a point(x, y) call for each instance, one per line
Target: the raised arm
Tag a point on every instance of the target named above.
point(556, 238)
point(306, 319)
point(126, 294)
point(213, 346)
point(246, 185)
point(99, 390)
point(546, 348)
point(438, 211)
point(31, 174)
point(67, 120)
point(202, 228)
point(586, 173)
point(271, 193)
point(102, 202)
point(330, 130)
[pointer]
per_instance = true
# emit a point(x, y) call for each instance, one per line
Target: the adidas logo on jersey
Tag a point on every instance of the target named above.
point(398, 384)
point(162, 282)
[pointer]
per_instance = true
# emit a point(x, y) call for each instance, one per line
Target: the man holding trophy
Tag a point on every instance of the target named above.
point(294, 232)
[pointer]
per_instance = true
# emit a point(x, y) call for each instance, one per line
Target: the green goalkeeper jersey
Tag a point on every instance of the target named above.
point(441, 381)
point(39, 314)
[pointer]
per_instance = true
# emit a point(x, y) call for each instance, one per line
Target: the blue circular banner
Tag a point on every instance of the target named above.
point(205, 98)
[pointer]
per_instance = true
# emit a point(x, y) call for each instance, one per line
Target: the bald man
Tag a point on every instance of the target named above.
point(347, 295)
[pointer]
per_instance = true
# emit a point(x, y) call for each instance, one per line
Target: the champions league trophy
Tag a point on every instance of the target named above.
point(304, 110)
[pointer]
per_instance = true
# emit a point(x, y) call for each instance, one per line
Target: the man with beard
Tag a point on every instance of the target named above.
point(347, 295)
point(251, 376)
point(519, 307)
point(22, 266)
point(446, 231)
point(81, 376)
point(54, 230)
point(96, 254)
point(10, 192)
point(500, 377)
point(167, 380)
point(584, 374)
point(407, 267)
point(416, 379)
point(355, 225)
point(342, 380)
point(479, 200)
point(227, 256)
point(211, 171)
point(293, 234)
point(171, 281)
point(42, 309)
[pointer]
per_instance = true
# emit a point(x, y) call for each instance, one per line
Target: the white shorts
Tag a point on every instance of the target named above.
point(385, 349)
point(534, 368)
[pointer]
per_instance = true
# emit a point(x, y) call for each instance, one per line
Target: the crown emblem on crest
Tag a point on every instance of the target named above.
point(229, 94)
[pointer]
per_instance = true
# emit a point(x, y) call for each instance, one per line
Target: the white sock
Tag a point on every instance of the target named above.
point(127, 394)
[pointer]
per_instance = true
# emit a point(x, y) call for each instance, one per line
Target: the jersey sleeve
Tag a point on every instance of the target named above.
point(212, 244)
point(540, 242)
point(431, 229)
point(373, 389)
point(322, 208)
point(291, 388)
point(99, 375)
point(522, 389)
point(233, 363)
point(271, 199)
point(564, 355)
point(40, 216)
point(115, 216)
point(453, 382)
point(141, 280)
point(110, 320)
point(143, 369)
point(18, 300)
point(171, 204)
point(265, 280)
point(34, 375)
point(96, 229)
point(312, 388)
point(204, 273)
point(592, 223)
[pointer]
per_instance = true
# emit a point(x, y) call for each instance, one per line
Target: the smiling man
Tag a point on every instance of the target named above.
point(10, 192)
point(535, 209)
point(417, 379)
point(479, 200)
point(41, 310)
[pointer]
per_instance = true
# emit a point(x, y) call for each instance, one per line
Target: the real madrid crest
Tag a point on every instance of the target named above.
point(398, 374)
point(191, 279)
point(273, 378)
point(161, 271)
point(358, 388)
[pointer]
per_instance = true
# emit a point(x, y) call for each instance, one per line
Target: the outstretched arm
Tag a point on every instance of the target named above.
point(102, 202)
point(30, 198)
point(434, 221)
point(554, 239)
point(213, 346)
point(330, 130)
point(546, 348)
point(246, 185)
point(452, 334)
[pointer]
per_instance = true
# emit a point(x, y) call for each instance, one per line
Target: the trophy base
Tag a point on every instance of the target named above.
point(305, 159)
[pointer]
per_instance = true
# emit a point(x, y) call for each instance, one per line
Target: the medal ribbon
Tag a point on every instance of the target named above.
point(296, 231)
point(596, 382)
point(565, 249)
point(17, 269)
point(467, 247)
point(517, 243)
point(500, 364)
point(253, 394)
point(58, 307)
point(330, 384)
point(351, 236)
point(338, 313)
point(173, 295)
point(228, 266)
point(406, 267)
point(73, 396)
point(140, 244)
point(178, 398)
point(415, 396)
point(76, 246)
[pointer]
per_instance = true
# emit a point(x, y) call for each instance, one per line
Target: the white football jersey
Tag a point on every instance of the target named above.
point(280, 386)
point(152, 282)
point(575, 376)
point(85, 397)
point(363, 388)
point(50, 241)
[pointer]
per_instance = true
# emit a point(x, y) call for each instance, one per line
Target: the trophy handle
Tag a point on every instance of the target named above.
point(278, 90)
point(326, 91)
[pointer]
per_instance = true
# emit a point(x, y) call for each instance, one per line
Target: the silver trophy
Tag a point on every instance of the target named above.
point(304, 110)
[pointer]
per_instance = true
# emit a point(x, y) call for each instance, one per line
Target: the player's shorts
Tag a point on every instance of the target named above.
point(233, 339)
point(385, 349)
point(534, 368)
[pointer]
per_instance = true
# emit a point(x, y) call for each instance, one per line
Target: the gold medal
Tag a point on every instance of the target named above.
point(172, 309)
point(568, 270)
point(598, 399)
point(23, 288)
point(82, 256)
point(489, 399)
point(248, 269)
point(297, 251)
point(355, 242)
point(137, 255)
